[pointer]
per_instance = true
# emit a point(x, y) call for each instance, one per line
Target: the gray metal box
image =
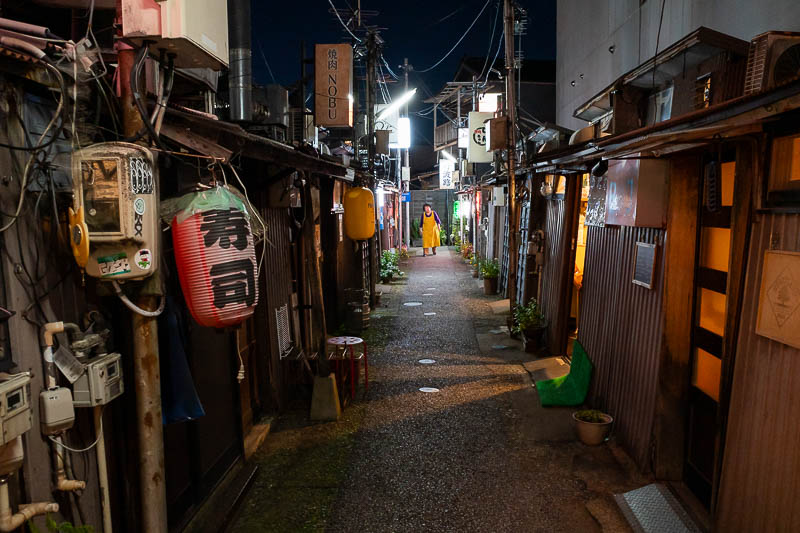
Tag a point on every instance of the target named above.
point(55, 410)
point(15, 407)
point(101, 383)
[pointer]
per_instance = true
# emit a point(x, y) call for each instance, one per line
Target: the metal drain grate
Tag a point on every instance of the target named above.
point(430, 314)
point(412, 304)
point(428, 389)
point(653, 509)
point(426, 361)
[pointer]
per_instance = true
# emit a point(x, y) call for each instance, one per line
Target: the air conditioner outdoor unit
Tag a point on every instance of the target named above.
point(195, 30)
point(773, 60)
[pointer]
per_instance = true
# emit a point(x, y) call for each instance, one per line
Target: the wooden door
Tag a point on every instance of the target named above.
point(711, 297)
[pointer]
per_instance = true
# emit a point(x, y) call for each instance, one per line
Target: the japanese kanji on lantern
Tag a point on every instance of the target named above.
point(216, 257)
point(359, 213)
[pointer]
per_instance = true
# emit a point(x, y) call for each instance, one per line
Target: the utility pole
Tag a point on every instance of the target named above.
point(146, 374)
point(511, 110)
point(374, 243)
point(406, 164)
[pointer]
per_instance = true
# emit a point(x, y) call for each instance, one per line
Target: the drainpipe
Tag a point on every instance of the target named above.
point(240, 75)
point(50, 330)
point(147, 379)
point(13, 454)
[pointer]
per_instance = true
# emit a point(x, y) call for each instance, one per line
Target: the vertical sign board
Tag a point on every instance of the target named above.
point(446, 169)
point(389, 122)
point(333, 85)
point(779, 298)
point(476, 153)
point(596, 204)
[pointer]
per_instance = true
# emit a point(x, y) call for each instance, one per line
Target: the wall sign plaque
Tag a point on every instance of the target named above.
point(644, 264)
point(779, 298)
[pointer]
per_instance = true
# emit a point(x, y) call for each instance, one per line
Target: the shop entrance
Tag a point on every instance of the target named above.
point(708, 326)
point(576, 265)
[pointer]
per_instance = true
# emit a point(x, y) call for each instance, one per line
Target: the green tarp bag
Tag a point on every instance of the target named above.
point(570, 389)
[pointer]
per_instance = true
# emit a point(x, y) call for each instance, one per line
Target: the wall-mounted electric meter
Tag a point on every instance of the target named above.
point(114, 225)
point(15, 406)
point(101, 383)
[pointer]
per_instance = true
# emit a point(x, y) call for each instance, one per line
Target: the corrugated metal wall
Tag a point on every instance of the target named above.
point(760, 481)
point(277, 293)
point(621, 325)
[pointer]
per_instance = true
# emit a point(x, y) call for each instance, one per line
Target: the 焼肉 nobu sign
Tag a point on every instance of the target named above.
point(333, 85)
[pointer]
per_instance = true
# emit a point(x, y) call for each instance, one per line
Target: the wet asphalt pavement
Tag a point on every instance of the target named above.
point(469, 457)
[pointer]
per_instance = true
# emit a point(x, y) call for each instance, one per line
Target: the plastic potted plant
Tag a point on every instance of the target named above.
point(389, 266)
point(529, 321)
point(592, 426)
point(476, 266)
point(490, 271)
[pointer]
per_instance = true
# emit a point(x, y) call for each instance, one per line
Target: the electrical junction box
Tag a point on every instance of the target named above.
point(114, 225)
point(195, 30)
point(15, 406)
point(56, 412)
point(101, 383)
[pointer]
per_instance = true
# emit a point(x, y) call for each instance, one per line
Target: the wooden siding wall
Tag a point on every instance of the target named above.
point(621, 328)
point(760, 483)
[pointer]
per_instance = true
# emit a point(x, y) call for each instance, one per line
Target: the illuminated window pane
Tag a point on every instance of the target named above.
point(706, 372)
point(728, 173)
point(715, 248)
point(712, 311)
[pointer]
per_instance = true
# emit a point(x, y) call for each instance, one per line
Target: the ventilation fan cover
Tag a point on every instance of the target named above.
point(774, 60)
point(787, 66)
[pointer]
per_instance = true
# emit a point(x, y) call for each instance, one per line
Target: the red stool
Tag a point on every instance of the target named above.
point(341, 349)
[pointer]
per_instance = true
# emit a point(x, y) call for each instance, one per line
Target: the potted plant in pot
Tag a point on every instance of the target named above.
point(491, 271)
point(592, 426)
point(529, 322)
point(476, 266)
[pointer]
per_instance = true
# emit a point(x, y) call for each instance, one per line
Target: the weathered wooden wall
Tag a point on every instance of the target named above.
point(760, 481)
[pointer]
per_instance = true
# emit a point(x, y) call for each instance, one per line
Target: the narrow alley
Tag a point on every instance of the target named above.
point(480, 454)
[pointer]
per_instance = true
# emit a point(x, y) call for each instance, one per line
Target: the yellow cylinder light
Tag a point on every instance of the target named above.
point(359, 214)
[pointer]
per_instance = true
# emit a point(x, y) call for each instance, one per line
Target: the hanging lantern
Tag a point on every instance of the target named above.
point(216, 257)
point(359, 214)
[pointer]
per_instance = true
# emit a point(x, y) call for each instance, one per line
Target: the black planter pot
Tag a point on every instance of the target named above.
point(490, 286)
point(532, 340)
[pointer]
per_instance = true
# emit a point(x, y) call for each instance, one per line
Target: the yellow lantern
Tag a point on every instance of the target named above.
point(359, 213)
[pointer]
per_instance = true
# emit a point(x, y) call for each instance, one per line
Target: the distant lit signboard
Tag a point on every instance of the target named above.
point(446, 168)
point(476, 152)
point(487, 102)
point(333, 85)
point(463, 137)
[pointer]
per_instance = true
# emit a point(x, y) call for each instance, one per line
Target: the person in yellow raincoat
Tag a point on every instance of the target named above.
point(431, 226)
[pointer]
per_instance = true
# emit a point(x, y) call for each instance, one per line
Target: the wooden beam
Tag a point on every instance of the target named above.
point(679, 267)
point(198, 143)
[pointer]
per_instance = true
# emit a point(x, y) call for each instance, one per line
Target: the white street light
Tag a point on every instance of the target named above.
point(396, 104)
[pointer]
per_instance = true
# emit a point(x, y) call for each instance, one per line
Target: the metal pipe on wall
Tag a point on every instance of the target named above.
point(240, 76)
point(147, 377)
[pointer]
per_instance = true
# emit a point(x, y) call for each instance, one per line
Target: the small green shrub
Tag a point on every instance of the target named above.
point(528, 317)
point(415, 231)
point(64, 527)
point(591, 415)
point(490, 269)
point(389, 265)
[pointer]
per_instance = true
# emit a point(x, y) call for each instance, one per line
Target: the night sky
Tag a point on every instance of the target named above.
point(422, 30)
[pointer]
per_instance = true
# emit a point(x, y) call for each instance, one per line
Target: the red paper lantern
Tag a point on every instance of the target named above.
point(216, 259)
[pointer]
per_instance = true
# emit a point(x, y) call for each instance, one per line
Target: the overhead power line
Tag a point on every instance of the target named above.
point(459, 40)
point(491, 42)
point(336, 12)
